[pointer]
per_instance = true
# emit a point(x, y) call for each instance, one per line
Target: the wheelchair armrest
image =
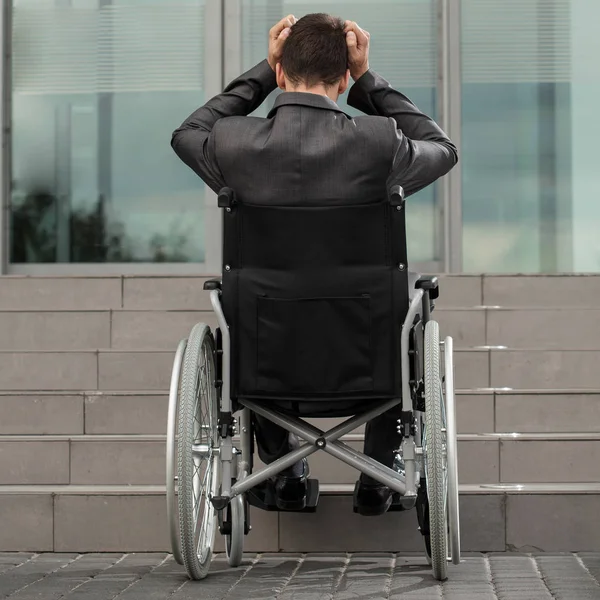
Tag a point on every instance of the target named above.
point(396, 196)
point(226, 198)
point(212, 284)
point(429, 283)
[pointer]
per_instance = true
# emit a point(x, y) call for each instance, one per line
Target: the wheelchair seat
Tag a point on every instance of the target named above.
point(334, 407)
point(416, 282)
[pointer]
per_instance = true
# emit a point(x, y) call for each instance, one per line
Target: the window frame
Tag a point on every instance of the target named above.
point(213, 73)
point(222, 64)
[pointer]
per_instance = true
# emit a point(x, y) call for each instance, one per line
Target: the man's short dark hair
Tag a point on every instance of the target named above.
point(316, 51)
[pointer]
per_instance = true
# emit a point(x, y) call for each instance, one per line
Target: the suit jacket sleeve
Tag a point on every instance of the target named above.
point(422, 151)
point(194, 141)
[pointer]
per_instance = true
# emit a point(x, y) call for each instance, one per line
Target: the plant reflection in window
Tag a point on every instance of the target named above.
point(93, 238)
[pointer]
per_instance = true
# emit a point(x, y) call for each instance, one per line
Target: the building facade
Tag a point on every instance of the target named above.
point(106, 239)
point(92, 90)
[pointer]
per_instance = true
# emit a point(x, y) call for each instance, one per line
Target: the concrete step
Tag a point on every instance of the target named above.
point(86, 370)
point(132, 518)
point(140, 460)
point(185, 292)
point(522, 328)
point(103, 293)
point(557, 291)
point(160, 330)
point(150, 370)
point(520, 291)
point(153, 314)
point(62, 331)
point(484, 410)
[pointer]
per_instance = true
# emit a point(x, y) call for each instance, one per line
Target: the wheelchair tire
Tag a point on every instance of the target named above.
point(234, 543)
point(451, 452)
point(198, 426)
point(434, 453)
point(172, 516)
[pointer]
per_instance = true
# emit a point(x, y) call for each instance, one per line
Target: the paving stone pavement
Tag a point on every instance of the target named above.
point(28, 576)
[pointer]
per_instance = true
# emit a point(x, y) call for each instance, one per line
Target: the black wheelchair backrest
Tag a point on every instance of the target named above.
point(315, 297)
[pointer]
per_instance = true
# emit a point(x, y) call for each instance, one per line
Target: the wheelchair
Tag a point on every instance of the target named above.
point(318, 316)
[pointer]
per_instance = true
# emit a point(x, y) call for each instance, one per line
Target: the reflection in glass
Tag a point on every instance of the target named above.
point(530, 97)
point(98, 87)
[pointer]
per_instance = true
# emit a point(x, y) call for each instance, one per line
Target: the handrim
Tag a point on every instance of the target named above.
point(172, 452)
point(451, 454)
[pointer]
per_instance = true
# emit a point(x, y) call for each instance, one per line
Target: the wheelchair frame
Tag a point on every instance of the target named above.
point(427, 425)
point(235, 482)
point(317, 440)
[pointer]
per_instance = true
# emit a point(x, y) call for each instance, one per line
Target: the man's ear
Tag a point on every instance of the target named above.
point(280, 76)
point(344, 82)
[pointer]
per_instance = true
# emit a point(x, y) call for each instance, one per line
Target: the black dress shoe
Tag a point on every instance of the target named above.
point(290, 491)
point(371, 500)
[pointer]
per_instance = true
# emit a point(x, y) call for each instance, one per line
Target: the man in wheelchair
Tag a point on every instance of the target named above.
point(315, 285)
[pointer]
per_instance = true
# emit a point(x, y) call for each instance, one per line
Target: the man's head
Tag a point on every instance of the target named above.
point(315, 56)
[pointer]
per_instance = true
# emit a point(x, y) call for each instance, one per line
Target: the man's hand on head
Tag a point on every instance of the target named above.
point(277, 36)
point(358, 49)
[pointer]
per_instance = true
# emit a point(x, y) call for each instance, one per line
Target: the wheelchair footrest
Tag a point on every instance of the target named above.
point(399, 502)
point(263, 496)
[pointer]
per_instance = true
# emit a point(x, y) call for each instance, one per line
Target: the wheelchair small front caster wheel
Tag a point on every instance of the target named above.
point(234, 541)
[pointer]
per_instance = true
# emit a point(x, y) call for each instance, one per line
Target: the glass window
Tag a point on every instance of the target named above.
point(530, 97)
point(403, 50)
point(98, 86)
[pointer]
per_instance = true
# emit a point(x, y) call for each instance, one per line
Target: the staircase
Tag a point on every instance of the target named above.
point(85, 366)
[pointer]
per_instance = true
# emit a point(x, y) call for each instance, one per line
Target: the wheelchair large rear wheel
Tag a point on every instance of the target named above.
point(198, 452)
point(172, 513)
point(434, 453)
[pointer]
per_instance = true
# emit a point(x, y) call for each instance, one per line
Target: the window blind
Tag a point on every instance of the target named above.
point(403, 33)
point(74, 50)
point(513, 41)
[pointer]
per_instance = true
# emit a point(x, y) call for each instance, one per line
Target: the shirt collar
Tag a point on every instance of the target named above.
point(305, 99)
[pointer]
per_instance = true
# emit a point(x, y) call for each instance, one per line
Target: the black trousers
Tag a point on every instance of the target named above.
point(381, 439)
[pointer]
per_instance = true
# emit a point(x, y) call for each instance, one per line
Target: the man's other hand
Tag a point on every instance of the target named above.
point(358, 49)
point(277, 36)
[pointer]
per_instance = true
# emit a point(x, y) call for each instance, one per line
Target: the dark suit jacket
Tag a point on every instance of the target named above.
point(308, 151)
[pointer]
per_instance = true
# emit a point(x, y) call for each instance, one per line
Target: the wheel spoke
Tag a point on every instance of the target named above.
point(203, 485)
point(206, 476)
point(202, 511)
point(198, 491)
point(203, 412)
